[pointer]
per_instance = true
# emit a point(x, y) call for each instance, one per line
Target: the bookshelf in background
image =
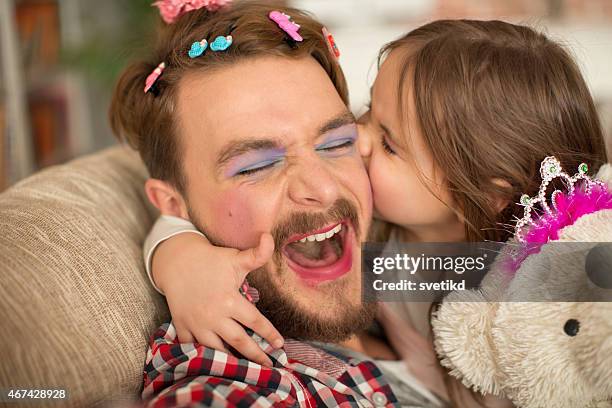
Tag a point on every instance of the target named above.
point(47, 120)
point(3, 149)
point(38, 26)
point(17, 156)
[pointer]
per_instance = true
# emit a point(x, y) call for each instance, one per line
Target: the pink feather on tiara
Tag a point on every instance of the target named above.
point(585, 196)
point(171, 10)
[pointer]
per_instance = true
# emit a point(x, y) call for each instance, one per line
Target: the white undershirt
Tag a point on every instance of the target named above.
point(165, 227)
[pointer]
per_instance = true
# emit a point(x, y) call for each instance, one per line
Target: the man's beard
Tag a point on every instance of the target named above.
point(293, 321)
point(289, 318)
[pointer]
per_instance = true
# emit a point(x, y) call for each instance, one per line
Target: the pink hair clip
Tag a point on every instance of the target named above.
point(171, 10)
point(150, 81)
point(285, 24)
point(331, 43)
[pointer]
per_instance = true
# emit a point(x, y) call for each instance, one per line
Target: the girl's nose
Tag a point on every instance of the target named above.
point(364, 143)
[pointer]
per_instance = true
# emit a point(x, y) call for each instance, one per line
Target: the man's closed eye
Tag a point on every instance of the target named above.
point(258, 167)
point(337, 147)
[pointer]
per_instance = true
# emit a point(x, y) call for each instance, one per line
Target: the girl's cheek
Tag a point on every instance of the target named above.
point(379, 179)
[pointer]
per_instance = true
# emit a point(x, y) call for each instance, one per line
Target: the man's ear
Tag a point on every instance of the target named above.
point(166, 198)
point(501, 203)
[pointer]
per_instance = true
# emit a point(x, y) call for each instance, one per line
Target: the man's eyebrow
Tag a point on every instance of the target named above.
point(238, 147)
point(346, 118)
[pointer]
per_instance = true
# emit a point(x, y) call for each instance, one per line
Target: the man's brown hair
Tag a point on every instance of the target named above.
point(147, 122)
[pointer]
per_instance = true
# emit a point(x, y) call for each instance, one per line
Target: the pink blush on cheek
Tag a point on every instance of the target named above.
point(233, 219)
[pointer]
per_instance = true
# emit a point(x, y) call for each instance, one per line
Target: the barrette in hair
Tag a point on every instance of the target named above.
point(222, 43)
point(198, 48)
point(577, 200)
point(285, 23)
point(171, 10)
point(331, 43)
point(152, 78)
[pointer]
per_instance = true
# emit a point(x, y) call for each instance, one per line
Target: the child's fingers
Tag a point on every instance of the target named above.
point(184, 335)
point(236, 336)
point(247, 314)
point(210, 340)
point(253, 258)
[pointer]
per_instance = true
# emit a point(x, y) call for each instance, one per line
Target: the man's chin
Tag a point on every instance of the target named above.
point(329, 311)
point(328, 325)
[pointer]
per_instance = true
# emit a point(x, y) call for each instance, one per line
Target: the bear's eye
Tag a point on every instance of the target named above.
point(572, 327)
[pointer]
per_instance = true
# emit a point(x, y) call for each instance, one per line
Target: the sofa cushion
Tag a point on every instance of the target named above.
point(75, 303)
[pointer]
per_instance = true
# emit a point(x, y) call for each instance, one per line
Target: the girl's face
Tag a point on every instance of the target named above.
point(408, 187)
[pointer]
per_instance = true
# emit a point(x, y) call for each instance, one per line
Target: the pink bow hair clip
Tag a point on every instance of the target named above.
point(150, 81)
point(171, 10)
point(285, 24)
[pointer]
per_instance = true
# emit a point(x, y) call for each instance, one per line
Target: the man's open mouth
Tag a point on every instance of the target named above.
point(321, 255)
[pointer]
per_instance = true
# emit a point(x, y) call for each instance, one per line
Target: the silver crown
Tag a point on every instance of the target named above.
point(550, 169)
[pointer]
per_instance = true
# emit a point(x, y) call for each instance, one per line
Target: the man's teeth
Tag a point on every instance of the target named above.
point(323, 235)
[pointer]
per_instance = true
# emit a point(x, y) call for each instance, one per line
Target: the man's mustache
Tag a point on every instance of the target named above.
point(305, 222)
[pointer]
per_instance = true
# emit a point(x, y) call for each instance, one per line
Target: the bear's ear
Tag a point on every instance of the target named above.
point(605, 174)
point(462, 337)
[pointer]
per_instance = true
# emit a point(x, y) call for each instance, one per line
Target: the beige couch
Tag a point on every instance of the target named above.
point(75, 303)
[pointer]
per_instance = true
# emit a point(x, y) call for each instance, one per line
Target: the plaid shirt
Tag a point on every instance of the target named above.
point(303, 375)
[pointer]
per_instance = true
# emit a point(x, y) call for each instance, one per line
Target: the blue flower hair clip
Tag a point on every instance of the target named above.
point(221, 43)
point(198, 48)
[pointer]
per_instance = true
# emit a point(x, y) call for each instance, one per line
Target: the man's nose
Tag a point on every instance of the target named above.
point(364, 144)
point(312, 184)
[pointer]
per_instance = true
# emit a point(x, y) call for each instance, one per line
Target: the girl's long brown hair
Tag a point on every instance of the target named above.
point(493, 99)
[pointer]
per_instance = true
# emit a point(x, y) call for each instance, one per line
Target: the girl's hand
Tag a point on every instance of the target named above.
point(201, 283)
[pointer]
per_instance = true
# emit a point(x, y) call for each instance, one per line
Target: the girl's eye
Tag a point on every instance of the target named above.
point(337, 145)
point(386, 146)
point(257, 168)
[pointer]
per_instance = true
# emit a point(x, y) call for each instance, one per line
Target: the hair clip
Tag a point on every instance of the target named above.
point(289, 27)
point(171, 10)
point(331, 43)
point(198, 48)
point(550, 169)
point(221, 43)
point(152, 78)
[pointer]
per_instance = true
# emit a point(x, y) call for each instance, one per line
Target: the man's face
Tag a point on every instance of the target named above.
point(269, 146)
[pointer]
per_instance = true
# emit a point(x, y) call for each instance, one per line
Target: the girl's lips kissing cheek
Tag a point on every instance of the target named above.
point(322, 255)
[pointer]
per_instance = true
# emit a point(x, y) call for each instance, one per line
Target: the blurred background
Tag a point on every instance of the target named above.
point(60, 58)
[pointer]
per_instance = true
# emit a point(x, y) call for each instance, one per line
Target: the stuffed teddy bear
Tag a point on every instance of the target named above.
point(517, 336)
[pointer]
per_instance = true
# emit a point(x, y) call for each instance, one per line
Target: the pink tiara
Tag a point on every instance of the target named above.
point(171, 10)
point(584, 195)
